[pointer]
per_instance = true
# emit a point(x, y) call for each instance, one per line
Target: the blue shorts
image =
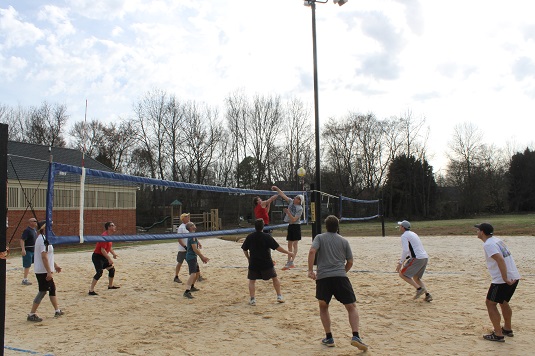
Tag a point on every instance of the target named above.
point(27, 260)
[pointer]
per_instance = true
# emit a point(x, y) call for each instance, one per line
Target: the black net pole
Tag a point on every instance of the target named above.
point(3, 220)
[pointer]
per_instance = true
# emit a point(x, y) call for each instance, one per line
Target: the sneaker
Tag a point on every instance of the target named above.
point(428, 297)
point(26, 282)
point(280, 299)
point(357, 342)
point(113, 287)
point(34, 318)
point(328, 342)
point(252, 301)
point(92, 293)
point(177, 280)
point(187, 294)
point(194, 289)
point(201, 279)
point(58, 313)
point(288, 266)
point(494, 337)
point(419, 293)
point(508, 332)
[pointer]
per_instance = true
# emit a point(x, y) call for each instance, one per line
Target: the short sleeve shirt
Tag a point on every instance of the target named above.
point(259, 245)
point(190, 254)
point(28, 236)
point(182, 230)
point(332, 253)
point(295, 210)
point(40, 247)
point(493, 246)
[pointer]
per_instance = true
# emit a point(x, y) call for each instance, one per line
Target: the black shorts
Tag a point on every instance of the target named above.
point(294, 232)
point(265, 274)
point(340, 287)
point(502, 292)
point(44, 285)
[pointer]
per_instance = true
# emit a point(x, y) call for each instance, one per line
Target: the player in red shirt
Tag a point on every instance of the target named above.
point(102, 259)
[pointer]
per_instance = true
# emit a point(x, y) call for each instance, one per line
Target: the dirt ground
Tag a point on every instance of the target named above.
point(149, 316)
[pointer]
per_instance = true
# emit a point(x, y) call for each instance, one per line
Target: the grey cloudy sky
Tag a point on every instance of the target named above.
point(449, 62)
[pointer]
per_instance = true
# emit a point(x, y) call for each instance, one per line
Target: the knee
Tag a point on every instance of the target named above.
point(490, 304)
point(111, 272)
point(97, 275)
point(39, 297)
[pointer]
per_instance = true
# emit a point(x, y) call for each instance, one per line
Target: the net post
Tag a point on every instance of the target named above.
point(379, 208)
point(3, 214)
point(313, 214)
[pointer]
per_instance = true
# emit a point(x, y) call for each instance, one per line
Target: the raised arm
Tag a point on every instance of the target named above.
point(281, 193)
point(267, 203)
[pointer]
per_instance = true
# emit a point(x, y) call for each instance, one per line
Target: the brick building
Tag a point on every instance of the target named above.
point(28, 166)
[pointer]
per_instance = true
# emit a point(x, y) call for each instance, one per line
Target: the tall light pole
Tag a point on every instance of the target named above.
point(316, 227)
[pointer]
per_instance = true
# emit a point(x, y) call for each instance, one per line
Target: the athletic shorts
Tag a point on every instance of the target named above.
point(44, 285)
point(265, 274)
point(502, 292)
point(180, 256)
point(193, 266)
point(294, 232)
point(27, 260)
point(340, 287)
point(414, 267)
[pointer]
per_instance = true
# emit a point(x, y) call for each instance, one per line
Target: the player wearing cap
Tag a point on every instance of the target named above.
point(505, 276)
point(413, 261)
point(293, 218)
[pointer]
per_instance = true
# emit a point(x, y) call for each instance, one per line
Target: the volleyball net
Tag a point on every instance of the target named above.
point(80, 200)
point(358, 210)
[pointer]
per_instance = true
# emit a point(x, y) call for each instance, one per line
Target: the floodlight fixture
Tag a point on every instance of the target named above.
point(340, 2)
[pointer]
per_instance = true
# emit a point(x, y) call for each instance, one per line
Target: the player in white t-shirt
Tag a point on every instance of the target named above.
point(413, 260)
point(44, 266)
point(505, 276)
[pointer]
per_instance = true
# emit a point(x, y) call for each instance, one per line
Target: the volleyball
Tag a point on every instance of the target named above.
point(301, 172)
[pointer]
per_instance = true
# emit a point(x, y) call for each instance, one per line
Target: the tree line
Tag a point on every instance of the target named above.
point(258, 140)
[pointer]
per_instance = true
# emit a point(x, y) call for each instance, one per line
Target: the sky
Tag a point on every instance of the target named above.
point(445, 62)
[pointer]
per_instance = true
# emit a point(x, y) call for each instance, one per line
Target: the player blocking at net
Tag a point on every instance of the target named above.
point(293, 218)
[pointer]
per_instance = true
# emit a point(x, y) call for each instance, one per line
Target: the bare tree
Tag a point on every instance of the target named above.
point(14, 118)
point(464, 167)
point(173, 122)
point(150, 130)
point(201, 139)
point(237, 114)
point(265, 124)
point(46, 123)
point(296, 148)
point(87, 137)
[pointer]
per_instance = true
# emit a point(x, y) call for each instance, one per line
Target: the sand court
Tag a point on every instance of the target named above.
point(149, 316)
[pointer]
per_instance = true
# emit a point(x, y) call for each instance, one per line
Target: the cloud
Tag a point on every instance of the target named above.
point(382, 63)
point(524, 68)
point(58, 17)
point(413, 15)
point(16, 33)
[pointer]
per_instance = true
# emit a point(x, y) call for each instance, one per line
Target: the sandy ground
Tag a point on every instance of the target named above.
point(149, 316)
